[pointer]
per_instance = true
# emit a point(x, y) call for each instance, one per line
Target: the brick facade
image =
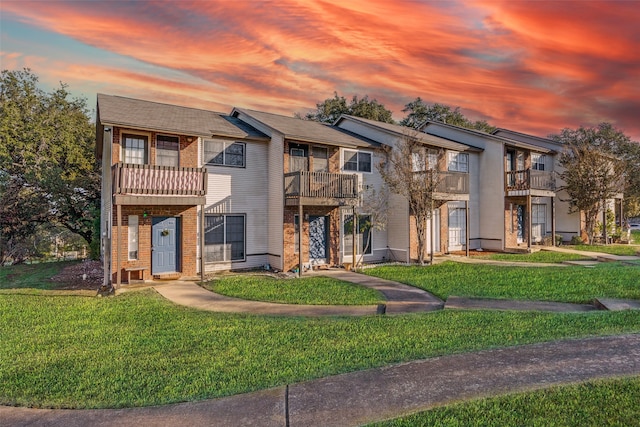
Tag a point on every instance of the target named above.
point(511, 221)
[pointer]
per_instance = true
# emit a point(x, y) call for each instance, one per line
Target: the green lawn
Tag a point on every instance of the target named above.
point(139, 349)
point(606, 249)
point(307, 290)
point(596, 403)
point(565, 284)
point(35, 276)
point(542, 256)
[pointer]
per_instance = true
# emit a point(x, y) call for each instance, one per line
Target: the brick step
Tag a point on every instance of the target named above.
point(167, 276)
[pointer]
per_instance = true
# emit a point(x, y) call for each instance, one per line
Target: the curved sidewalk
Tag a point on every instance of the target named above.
point(375, 394)
point(400, 298)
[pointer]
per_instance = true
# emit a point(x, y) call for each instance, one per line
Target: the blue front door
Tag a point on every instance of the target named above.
point(164, 243)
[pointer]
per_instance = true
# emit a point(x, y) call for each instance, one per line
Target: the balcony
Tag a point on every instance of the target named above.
point(320, 189)
point(530, 182)
point(158, 185)
point(452, 186)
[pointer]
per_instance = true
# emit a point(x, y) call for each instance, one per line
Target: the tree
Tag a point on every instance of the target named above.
point(411, 171)
point(46, 154)
point(419, 112)
point(593, 173)
point(329, 110)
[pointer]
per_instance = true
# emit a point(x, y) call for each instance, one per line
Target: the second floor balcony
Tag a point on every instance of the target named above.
point(452, 186)
point(320, 189)
point(133, 184)
point(530, 182)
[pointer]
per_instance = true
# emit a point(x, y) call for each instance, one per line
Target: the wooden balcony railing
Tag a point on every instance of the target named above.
point(158, 180)
point(320, 185)
point(529, 180)
point(453, 182)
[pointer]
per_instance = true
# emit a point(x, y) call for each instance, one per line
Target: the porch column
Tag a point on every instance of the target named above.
point(604, 222)
point(118, 244)
point(354, 223)
point(553, 222)
point(529, 223)
point(432, 235)
point(466, 227)
point(202, 243)
point(300, 223)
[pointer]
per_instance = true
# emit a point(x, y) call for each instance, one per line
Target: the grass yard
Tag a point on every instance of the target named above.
point(541, 256)
point(34, 276)
point(564, 284)
point(138, 349)
point(595, 403)
point(307, 290)
point(606, 249)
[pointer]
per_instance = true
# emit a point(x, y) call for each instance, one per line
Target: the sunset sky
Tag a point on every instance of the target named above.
point(530, 66)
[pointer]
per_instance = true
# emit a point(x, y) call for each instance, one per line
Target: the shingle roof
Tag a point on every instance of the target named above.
point(137, 113)
point(307, 131)
point(401, 131)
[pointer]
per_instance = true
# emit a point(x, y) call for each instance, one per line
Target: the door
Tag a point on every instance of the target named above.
point(457, 228)
point(538, 222)
point(164, 245)
point(318, 239)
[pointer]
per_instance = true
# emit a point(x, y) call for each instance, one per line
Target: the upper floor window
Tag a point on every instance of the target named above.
point(538, 161)
point(167, 150)
point(458, 162)
point(224, 153)
point(135, 149)
point(357, 161)
point(424, 160)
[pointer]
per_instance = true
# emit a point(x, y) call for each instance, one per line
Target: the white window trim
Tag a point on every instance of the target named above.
point(133, 237)
point(539, 159)
point(244, 249)
point(342, 160)
point(451, 155)
point(171, 136)
point(124, 132)
point(225, 145)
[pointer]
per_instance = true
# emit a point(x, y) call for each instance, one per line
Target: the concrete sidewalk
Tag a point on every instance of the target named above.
point(377, 394)
point(600, 256)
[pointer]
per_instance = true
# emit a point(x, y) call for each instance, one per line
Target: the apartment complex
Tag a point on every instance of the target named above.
point(187, 191)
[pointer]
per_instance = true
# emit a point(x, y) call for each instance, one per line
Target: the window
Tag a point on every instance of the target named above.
point(363, 235)
point(135, 149)
point(224, 238)
point(224, 153)
point(167, 150)
point(133, 237)
point(357, 161)
point(458, 162)
point(538, 221)
point(320, 159)
point(538, 161)
point(424, 160)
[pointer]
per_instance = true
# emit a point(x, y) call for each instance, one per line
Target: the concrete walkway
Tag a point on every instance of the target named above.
point(377, 394)
point(600, 256)
point(400, 298)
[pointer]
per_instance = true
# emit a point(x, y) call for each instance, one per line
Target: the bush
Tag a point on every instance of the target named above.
point(577, 240)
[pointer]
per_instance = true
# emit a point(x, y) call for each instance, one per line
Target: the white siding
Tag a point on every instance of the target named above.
point(236, 190)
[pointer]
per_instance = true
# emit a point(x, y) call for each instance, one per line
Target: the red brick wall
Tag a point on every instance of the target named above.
point(333, 236)
point(511, 221)
point(187, 244)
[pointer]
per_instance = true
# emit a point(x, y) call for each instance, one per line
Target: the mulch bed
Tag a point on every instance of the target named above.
point(72, 277)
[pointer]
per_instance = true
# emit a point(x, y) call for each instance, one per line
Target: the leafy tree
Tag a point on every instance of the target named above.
point(329, 110)
point(418, 112)
point(593, 173)
point(411, 172)
point(46, 155)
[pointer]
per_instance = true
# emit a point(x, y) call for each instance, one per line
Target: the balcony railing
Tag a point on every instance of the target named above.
point(453, 182)
point(320, 185)
point(530, 180)
point(158, 180)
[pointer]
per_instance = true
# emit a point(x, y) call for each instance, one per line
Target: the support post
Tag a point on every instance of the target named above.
point(300, 223)
point(553, 222)
point(466, 227)
point(432, 239)
point(529, 223)
point(354, 223)
point(604, 222)
point(202, 242)
point(118, 244)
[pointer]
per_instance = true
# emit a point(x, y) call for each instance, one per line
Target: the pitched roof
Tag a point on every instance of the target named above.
point(401, 131)
point(137, 113)
point(491, 137)
point(307, 131)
